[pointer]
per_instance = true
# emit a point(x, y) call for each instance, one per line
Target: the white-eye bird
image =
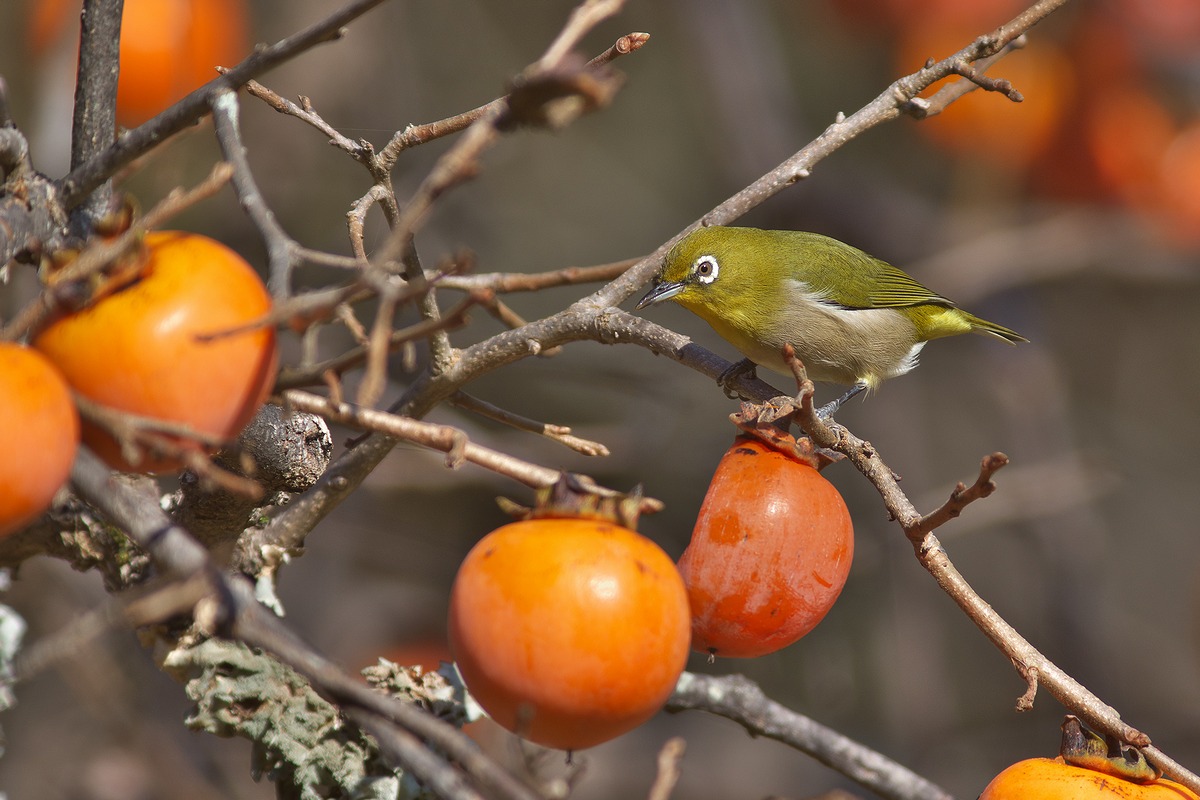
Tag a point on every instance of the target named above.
point(852, 318)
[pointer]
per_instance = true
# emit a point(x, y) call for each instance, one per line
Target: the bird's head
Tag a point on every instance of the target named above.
point(717, 272)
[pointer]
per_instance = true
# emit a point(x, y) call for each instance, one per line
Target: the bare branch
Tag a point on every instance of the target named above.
point(95, 120)
point(558, 433)
point(668, 768)
point(281, 249)
point(415, 135)
point(451, 441)
point(961, 497)
point(398, 726)
point(359, 149)
point(738, 698)
point(100, 254)
point(1034, 667)
point(290, 377)
point(131, 144)
point(503, 282)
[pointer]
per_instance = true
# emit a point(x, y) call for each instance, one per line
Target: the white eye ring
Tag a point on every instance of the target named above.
point(706, 269)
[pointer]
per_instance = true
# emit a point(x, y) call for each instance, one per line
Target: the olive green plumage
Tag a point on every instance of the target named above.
point(852, 318)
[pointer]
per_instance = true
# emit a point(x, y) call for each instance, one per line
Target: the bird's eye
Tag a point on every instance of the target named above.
point(705, 269)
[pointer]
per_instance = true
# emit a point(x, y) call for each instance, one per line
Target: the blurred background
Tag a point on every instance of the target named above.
point(1073, 217)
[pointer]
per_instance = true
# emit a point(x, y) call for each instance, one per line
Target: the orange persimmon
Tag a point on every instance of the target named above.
point(569, 631)
point(168, 47)
point(985, 124)
point(769, 555)
point(177, 344)
point(41, 434)
point(1088, 767)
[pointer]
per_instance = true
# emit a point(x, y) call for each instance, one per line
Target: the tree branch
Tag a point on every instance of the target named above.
point(131, 144)
point(1034, 667)
point(741, 700)
point(232, 609)
point(95, 121)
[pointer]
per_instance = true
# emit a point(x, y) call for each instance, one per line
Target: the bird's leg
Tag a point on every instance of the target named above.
point(829, 409)
point(726, 378)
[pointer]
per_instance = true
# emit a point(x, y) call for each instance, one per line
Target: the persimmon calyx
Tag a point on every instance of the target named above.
point(575, 496)
point(1085, 748)
point(768, 422)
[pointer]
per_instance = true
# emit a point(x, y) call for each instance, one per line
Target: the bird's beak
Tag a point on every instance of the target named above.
point(660, 292)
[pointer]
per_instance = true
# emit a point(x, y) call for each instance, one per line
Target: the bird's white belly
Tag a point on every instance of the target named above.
point(839, 345)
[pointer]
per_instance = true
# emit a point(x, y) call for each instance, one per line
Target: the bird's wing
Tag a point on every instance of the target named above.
point(832, 269)
point(896, 289)
point(864, 281)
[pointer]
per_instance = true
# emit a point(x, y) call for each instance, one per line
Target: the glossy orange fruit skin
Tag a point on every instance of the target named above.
point(138, 349)
point(569, 632)
point(769, 554)
point(41, 435)
point(987, 125)
point(1053, 779)
point(170, 47)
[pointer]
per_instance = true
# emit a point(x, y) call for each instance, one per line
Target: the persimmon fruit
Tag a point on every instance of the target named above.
point(168, 47)
point(1179, 175)
point(569, 631)
point(41, 435)
point(987, 125)
point(769, 554)
point(178, 344)
point(1054, 779)
point(1088, 767)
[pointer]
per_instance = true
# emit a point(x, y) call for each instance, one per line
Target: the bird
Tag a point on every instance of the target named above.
point(851, 318)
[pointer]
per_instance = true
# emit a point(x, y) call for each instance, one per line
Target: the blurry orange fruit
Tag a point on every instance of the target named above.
point(1126, 131)
point(1179, 178)
point(40, 438)
point(986, 124)
point(168, 47)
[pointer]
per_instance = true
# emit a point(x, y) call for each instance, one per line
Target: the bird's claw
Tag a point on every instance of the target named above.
point(733, 373)
point(827, 411)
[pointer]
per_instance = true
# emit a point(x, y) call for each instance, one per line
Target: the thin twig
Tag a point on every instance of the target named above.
point(962, 496)
point(401, 729)
point(505, 282)
point(558, 433)
point(359, 149)
point(414, 135)
point(449, 440)
point(100, 254)
point(738, 698)
point(134, 608)
point(924, 107)
point(379, 345)
point(460, 162)
point(281, 249)
point(132, 144)
point(290, 377)
point(668, 769)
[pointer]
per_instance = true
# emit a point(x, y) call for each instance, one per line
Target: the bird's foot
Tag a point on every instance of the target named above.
point(829, 409)
point(740, 369)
